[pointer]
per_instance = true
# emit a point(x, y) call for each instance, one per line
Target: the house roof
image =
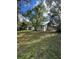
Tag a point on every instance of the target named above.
point(45, 23)
point(22, 18)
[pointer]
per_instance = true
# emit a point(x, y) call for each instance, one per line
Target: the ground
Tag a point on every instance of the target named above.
point(38, 45)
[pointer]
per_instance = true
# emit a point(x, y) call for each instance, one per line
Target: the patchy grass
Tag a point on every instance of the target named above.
point(38, 45)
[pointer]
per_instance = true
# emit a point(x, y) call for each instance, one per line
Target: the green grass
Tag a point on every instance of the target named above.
point(38, 45)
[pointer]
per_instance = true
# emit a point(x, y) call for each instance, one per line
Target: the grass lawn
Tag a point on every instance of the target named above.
point(38, 45)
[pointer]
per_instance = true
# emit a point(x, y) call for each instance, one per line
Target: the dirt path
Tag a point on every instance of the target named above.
point(40, 39)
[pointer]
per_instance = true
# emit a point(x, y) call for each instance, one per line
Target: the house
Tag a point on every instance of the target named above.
point(30, 27)
point(22, 19)
point(43, 26)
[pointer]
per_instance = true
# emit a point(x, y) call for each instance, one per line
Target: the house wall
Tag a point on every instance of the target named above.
point(44, 27)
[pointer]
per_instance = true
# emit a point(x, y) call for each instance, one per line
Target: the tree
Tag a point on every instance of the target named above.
point(35, 24)
point(56, 18)
point(37, 17)
point(55, 11)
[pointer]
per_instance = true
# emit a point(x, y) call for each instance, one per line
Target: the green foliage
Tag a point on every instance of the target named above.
point(24, 24)
point(35, 24)
point(55, 11)
point(37, 17)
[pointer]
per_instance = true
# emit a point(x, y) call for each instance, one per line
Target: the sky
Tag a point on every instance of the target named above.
point(24, 6)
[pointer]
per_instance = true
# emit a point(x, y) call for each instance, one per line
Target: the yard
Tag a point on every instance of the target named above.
point(38, 45)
